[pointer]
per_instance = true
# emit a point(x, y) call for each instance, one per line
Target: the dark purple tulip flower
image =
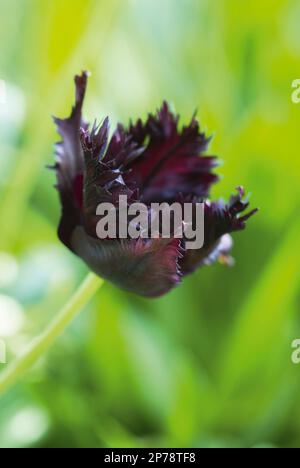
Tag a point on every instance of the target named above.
point(155, 161)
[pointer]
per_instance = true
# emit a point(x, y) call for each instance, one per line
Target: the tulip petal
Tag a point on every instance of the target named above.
point(219, 221)
point(148, 267)
point(69, 155)
point(103, 178)
point(173, 160)
point(69, 163)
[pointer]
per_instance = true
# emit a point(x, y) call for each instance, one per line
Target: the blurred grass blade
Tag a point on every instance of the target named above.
point(262, 319)
point(43, 342)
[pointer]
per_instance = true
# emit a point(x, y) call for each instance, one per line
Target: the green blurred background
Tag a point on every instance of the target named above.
point(208, 365)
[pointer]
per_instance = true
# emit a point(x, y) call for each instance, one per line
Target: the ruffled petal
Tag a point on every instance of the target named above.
point(69, 163)
point(173, 160)
point(219, 221)
point(103, 177)
point(69, 155)
point(148, 267)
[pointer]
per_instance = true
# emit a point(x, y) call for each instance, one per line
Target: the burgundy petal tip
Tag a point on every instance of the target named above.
point(81, 80)
point(95, 141)
point(241, 190)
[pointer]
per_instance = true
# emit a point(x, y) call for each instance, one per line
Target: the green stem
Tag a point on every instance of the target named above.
point(43, 342)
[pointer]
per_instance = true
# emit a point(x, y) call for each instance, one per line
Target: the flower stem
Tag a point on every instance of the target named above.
point(43, 342)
